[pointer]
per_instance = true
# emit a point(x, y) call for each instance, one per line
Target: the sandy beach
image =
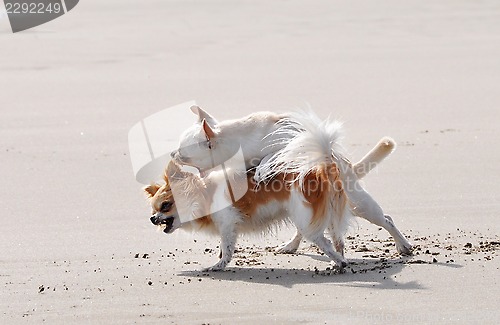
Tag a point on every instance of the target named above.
point(77, 244)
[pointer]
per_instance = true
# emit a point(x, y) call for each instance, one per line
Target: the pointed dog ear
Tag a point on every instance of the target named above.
point(209, 132)
point(203, 115)
point(151, 190)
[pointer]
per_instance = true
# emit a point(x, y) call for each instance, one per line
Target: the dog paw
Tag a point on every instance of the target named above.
point(338, 268)
point(404, 248)
point(215, 268)
point(344, 263)
point(340, 263)
point(286, 249)
point(212, 269)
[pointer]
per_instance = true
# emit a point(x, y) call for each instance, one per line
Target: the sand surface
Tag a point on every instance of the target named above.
point(76, 242)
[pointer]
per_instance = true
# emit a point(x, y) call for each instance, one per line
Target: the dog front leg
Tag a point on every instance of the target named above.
point(227, 246)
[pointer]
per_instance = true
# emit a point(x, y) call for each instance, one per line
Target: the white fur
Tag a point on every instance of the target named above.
point(250, 133)
point(311, 141)
point(305, 142)
point(260, 136)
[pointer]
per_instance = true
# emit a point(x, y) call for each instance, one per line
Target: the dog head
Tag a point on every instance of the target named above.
point(164, 210)
point(202, 145)
point(191, 201)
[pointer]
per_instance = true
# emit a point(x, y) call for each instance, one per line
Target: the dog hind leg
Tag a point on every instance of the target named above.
point(326, 246)
point(291, 246)
point(376, 155)
point(338, 243)
point(364, 206)
point(317, 236)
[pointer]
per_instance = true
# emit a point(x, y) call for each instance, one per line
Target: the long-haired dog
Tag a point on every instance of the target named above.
point(315, 194)
point(312, 204)
point(262, 136)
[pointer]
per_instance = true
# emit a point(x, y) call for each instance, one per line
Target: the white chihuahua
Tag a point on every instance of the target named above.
point(209, 143)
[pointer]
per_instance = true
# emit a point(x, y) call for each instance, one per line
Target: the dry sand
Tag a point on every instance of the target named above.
point(77, 245)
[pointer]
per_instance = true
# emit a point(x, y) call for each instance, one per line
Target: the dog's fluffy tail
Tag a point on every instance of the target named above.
point(307, 142)
point(309, 145)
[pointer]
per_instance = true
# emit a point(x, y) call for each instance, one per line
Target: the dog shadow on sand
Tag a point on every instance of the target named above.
point(368, 273)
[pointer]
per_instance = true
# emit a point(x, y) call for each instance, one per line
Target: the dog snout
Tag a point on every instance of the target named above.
point(159, 219)
point(179, 158)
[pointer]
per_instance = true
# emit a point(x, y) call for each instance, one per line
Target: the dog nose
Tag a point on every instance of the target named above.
point(153, 220)
point(172, 154)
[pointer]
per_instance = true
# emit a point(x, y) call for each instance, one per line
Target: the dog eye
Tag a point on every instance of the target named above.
point(208, 143)
point(166, 206)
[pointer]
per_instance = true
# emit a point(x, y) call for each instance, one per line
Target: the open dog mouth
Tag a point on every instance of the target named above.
point(168, 224)
point(164, 222)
